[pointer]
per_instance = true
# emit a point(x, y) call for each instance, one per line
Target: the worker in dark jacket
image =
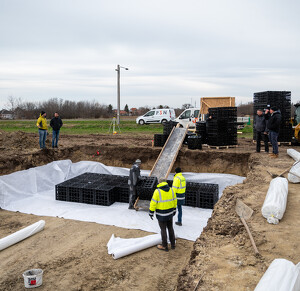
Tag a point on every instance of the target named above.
point(133, 179)
point(164, 203)
point(56, 123)
point(273, 124)
point(260, 126)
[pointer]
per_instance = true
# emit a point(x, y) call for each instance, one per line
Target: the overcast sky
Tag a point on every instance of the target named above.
point(176, 51)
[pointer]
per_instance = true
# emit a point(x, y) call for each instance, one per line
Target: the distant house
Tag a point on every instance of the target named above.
point(5, 114)
point(122, 112)
point(133, 111)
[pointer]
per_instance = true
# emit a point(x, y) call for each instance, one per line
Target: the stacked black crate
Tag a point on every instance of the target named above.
point(160, 139)
point(146, 187)
point(201, 130)
point(281, 100)
point(221, 128)
point(194, 142)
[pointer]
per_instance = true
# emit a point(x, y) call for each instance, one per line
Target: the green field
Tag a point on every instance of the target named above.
point(84, 126)
point(97, 126)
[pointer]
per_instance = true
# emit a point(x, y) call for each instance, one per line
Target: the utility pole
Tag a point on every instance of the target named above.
point(118, 86)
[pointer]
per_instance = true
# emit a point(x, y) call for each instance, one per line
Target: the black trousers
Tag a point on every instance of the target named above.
point(164, 225)
point(132, 195)
point(259, 137)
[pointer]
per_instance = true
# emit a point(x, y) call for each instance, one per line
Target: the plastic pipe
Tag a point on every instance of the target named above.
point(21, 234)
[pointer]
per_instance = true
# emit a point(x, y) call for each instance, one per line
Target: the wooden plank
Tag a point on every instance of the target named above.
point(176, 154)
point(168, 154)
point(162, 150)
point(208, 102)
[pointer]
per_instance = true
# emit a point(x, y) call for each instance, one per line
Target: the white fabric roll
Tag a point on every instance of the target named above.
point(282, 275)
point(294, 173)
point(276, 199)
point(121, 247)
point(21, 234)
point(293, 154)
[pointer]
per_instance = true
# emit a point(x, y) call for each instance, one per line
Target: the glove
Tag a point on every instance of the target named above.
point(151, 215)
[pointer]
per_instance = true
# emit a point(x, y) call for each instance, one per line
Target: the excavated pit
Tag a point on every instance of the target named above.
point(124, 156)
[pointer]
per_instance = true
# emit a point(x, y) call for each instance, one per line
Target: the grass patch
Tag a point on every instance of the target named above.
point(83, 126)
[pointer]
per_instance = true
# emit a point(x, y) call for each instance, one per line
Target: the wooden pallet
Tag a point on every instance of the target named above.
point(287, 143)
point(220, 147)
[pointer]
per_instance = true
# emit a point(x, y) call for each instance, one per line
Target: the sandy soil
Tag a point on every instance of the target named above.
point(74, 255)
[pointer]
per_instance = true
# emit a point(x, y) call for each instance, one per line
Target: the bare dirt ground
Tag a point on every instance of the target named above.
point(73, 254)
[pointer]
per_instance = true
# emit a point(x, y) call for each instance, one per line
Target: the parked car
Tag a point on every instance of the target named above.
point(157, 116)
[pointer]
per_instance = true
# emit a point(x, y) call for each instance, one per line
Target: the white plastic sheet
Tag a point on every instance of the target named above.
point(282, 275)
point(21, 234)
point(121, 247)
point(33, 191)
point(294, 173)
point(276, 199)
point(293, 154)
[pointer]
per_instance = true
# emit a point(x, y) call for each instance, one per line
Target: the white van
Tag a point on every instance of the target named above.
point(189, 117)
point(157, 116)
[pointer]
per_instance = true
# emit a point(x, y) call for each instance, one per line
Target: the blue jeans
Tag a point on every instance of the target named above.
point(55, 135)
point(273, 140)
point(179, 213)
point(42, 138)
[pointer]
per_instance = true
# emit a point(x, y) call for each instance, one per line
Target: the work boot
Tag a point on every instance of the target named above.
point(271, 154)
point(160, 247)
point(178, 223)
point(275, 156)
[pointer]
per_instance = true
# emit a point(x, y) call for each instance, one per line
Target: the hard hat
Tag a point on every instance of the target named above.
point(138, 161)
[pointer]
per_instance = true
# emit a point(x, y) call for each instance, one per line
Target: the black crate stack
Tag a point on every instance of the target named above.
point(160, 139)
point(201, 130)
point(280, 99)
point(222, 128)
point(146, 187)
point(202, 195)
point(194, 142)
point(104, 189)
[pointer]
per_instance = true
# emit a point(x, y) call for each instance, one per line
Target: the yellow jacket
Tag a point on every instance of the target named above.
point(164, 202)
point(42, 122)
point(179, 187)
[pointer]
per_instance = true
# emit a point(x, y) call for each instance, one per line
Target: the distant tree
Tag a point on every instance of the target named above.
point(126, 108)
point(160, 107)
point(186, 106)
point(245, 109)
point(109, 109)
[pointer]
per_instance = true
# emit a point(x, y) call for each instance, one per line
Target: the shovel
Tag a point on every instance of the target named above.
point(285, 171)
point(245, 212)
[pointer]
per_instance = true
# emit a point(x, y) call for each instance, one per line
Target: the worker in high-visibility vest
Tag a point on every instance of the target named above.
point(164, 203)
point(179, 187)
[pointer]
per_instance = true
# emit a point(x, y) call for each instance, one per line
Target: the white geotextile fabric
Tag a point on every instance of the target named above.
point(33, 191)
point(294, 173)
point(22, 234)
point(121, 247)
point(293, 154)
point(276, 199)
point(282, 275)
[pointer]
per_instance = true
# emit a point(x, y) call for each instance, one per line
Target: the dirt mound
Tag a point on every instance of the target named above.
point(17, 141)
